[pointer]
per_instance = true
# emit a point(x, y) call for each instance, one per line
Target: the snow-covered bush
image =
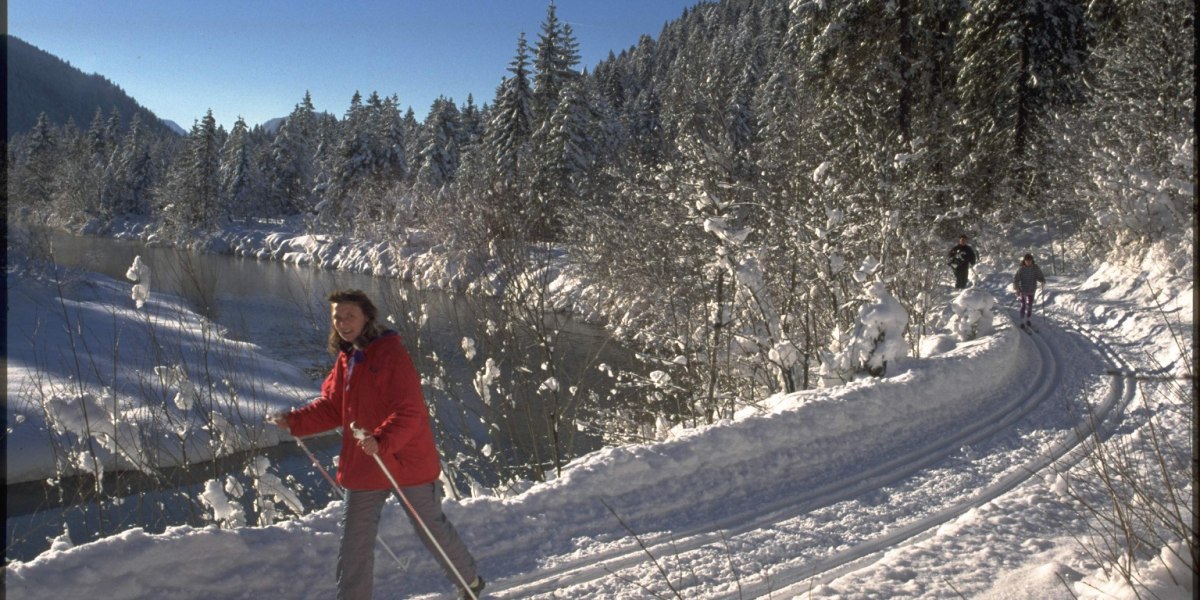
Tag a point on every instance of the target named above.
point(226, 512)
point(101, 420)
point(972, 314)
point(877, 338)
point(139, 272)
point(269, 489)
point(880, 333)
point(838, 361)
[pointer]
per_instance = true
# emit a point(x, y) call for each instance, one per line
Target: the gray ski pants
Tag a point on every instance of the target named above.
point(360, 524)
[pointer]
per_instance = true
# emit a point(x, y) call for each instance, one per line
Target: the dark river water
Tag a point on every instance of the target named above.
point(282, 309)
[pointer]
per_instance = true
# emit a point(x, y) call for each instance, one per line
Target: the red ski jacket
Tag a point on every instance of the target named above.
point(382, 394)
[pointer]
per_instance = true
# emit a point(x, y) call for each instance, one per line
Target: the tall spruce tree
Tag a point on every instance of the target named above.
point(391, 159)
point(135, 169)
point(554, 59)
point(442, 139)
point(241, 180)
point(1020, 61)
point(511, 127)
point(33, 175)
point(192, 200)
point(353, 159)
point(293, 170)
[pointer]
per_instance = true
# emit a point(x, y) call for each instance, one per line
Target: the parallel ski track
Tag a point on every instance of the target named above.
point(1049, 375)
point(1102, 419)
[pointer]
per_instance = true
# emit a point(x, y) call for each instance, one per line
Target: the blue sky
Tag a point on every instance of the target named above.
point(256, 58)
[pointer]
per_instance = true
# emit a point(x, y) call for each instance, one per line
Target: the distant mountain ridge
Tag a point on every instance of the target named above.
point(40, 82)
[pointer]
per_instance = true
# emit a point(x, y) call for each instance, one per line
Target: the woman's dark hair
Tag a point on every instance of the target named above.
point(371, 329)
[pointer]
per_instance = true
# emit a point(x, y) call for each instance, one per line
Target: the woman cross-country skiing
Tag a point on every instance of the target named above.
point(1025, 284)
point(374, 385)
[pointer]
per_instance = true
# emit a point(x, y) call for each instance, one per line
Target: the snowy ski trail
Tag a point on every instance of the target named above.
point(906, 515)
point(1103, 416)
point(888, 471)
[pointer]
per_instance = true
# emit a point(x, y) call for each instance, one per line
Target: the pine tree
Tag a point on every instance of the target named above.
point(112, 129)
point(293, 170)
point(1131, 177)
point(443, 138)
point(193, 199)
point(1020, 61)
point(563, 159)
point(472, 122)
point(34, 176)
point(98, 142)
point(555, 57)
point(391, 161)
point(242, 183)
point(354, 158)
point(647, 132)
point(135, 171)
point(411, 129)
point(511, 127)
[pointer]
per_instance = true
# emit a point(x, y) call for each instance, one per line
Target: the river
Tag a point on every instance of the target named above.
point(282, 309)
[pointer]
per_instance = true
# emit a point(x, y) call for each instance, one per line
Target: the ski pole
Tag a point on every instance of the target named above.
point(341, 491)
point(1042, 293)
point(361, 434)
point(1011, 302)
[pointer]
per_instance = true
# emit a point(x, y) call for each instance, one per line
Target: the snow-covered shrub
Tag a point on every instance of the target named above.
point(877, 338)
point(838, 362)
point(62, 542)
point(90, 418)
point(139, 272)
point(225, 512)
point(972, 314)
point(485, 379)
point(270, 488)
point(880, 334)
point(175, 376)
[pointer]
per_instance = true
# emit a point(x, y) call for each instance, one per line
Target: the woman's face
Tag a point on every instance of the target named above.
point(348, 320)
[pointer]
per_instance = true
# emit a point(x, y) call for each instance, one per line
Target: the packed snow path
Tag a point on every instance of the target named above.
point(811, 489)
point(842, 522)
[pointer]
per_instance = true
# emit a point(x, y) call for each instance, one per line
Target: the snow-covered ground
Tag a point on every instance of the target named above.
point(945, 479)
point(87, 328)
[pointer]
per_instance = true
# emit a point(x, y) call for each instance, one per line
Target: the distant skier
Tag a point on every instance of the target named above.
point(1025, 284)
point(962, 258)
point(375, 384)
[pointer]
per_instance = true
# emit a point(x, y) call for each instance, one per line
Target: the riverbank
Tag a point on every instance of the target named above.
point(414, 257)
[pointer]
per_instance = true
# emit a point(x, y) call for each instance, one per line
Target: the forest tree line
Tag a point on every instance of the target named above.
point(731, 183)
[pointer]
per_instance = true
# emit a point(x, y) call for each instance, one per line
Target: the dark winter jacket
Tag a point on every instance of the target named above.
point(382, 394)
point(962, 256)
point(1027, 279)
